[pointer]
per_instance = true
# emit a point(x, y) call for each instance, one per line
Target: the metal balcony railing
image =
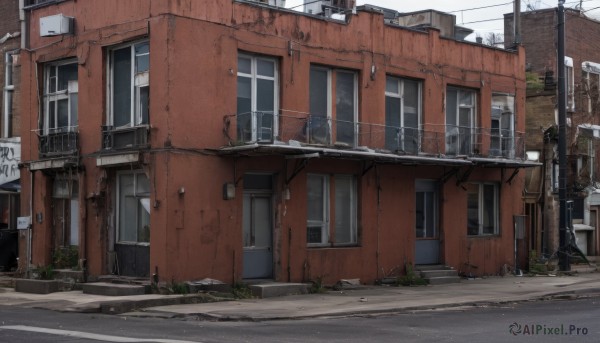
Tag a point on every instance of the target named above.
point(135, 137)
point(435, 140)
point(59, 143)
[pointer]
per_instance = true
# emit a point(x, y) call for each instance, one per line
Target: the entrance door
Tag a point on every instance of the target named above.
point(427, 249)
point(258, 227)
point(133, 224)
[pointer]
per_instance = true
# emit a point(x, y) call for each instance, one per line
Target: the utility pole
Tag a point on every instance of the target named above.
point(517, 22)
point(563, 237)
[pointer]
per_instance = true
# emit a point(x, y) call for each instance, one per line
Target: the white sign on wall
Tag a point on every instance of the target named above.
point(10, 157)
point(23, 223)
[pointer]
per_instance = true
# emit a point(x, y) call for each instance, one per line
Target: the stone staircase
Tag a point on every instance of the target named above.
point(438, 274)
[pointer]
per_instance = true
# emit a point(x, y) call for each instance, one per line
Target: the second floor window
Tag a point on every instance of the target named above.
point(461, 107)
point(402, 114)
point(60, 98)
point(326, 86)
point(591, 85)
point(503, 126)
point(129, 85)
point(257, 104)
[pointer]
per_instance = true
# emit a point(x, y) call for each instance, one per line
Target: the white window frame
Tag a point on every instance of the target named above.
point(8, 91)
point(456, 124)
point(135, 174)
point(329, 211)
point(254, 77)
point(324, 224)
point(480, 207)
point(591, 70)
point(507, 144)
point(400, 95)
point(570, 84)
point(67, 94)
point(138, 81)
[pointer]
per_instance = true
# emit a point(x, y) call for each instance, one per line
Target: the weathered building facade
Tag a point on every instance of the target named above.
point(539, 38)
point(234, 140)
point(10, 76)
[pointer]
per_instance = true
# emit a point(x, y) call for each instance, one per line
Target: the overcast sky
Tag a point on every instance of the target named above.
point(467, 17)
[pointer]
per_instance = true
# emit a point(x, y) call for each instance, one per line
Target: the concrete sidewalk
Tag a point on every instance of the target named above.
point(367, 300)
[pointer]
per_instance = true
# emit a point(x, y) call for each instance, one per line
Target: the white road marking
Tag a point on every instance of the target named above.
point(86, 335)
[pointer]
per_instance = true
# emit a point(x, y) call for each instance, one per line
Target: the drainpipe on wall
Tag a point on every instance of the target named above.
point(23, 21)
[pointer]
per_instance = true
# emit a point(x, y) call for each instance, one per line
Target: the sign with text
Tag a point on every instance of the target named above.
point(10, 156)
point(23, 223)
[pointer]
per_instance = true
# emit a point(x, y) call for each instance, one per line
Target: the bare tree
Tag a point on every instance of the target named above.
point(494, 39)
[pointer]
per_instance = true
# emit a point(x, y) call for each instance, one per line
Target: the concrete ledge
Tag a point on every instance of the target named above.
point(112, 289)
point(118, 307)
point(269, 290)
point(36, 286)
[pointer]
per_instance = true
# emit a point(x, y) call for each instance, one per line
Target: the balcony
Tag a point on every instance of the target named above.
point(128, 138)
point(58, 144)
point(439, 141)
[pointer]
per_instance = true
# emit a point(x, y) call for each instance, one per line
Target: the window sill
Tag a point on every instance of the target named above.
point(333, 246)
point(492, 235)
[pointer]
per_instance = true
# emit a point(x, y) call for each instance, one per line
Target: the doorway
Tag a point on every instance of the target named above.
point(258, 226)
point(427, 244)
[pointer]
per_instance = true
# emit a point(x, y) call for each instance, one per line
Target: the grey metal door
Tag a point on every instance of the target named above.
point(427, 249)
point(258, 236)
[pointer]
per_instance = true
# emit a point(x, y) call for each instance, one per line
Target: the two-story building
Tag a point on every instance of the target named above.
point(238, 140)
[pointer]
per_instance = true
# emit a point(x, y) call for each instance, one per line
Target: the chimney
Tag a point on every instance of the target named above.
point(479, 40)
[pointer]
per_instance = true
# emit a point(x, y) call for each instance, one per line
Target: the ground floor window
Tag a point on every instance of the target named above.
point(482, 209)
point(133, 206)
point(322, 207)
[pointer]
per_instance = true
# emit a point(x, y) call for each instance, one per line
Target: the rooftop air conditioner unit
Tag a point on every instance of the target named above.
point(56, 25)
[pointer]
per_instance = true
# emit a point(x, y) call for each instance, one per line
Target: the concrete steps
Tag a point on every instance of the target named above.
point(277, 289)
point(438, 274)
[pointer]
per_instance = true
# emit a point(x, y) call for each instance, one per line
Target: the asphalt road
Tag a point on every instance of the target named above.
point(552, 321)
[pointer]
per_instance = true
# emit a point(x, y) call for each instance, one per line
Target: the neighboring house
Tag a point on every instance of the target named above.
point(235, 140)
point(539, 38)
point(10, 146)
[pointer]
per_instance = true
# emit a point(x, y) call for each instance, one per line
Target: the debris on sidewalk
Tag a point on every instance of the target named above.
point(347, 284)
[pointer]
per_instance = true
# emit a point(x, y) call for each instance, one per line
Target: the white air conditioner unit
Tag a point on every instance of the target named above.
point(56, 25)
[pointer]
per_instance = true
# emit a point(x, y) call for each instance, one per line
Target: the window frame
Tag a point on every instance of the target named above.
point(329, 225)
point(400, 82)
point(8, 93)
point(138, 81)
point(470, 131)
point(588, 69)
point(506, 147)
point(136, 195)
point(68, 94)
point(481, 209)
point(570, 84)
point(254, 76)
point(324, 224)
point(331, 114)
